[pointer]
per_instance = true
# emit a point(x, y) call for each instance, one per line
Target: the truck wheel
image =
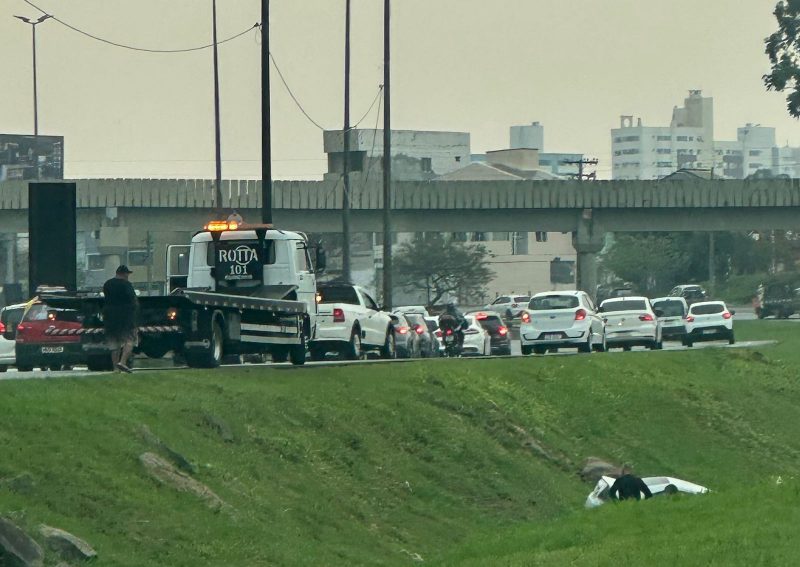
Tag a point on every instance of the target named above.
point(354, 350)
point(99, 363)
point(280, 354)
point(389, 348)
point(212, 357)
point(297, 353)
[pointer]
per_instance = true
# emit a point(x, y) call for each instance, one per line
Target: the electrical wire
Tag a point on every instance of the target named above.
point(134, 48)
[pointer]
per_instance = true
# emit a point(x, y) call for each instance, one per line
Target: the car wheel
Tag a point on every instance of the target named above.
point(3, 368)
point(526, 350)
point(355, 350)
point(539, 350)
point(731, 339)
point(603, 346)
point(53, 367)
point(688, 344)
point(297, 353)
point(505, 352)
point(389, 348)
point(670, 489)
point(626, 348)
point(553, 350)
point(586, 348)
point(25, 368)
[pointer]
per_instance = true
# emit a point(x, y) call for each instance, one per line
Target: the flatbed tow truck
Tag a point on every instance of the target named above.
point(249, 290)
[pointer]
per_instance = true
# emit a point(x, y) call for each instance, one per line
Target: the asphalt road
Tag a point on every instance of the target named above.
point(165, 365)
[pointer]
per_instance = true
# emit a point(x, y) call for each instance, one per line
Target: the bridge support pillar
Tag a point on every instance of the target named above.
point(588, 241)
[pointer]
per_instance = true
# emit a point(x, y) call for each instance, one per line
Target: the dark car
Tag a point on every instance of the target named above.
point(45, 339)
point(428, 345)
point(691, 293)
point(407, 341)
point(779, 298)
point(497, 329)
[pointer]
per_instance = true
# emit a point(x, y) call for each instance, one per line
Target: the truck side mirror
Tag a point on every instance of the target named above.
point(321, 260)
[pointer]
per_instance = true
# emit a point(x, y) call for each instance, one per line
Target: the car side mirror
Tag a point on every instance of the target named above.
point(733, 311)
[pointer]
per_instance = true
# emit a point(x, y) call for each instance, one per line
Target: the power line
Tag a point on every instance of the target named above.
point(134, 48)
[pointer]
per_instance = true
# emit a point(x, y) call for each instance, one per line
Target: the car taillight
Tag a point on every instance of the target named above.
point(690, 319)
point(338, 315)
point(646, 317)
point(580, 315)
point(2, 328)
point(726, 315)
point(449, 332)
point(402, 330)
point(438, 333)
point(419, 329)
point(502, 331)
point(526, 317)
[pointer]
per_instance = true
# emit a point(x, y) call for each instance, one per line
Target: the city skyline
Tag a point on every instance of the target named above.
point(461, 67)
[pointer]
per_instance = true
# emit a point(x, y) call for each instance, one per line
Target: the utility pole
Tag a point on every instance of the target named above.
point(712, 274)
point(580, 176)
point(387, 159)
point(266, 120)
point(33, 24)
point(346, 269)
point(217, 149)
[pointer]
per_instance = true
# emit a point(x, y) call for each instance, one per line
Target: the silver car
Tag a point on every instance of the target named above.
point(631, 321)
point(561, 319)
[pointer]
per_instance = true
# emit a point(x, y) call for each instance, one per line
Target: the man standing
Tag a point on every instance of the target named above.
point(119, 318)
point(629, 486)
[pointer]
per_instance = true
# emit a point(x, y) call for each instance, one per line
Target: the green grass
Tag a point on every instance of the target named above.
point(461, 462)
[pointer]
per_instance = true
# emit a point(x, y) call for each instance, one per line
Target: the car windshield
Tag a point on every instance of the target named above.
point(522, 299)
point(432, 325)
point(547, 302)
point(415, 319)
point(491, 322)
point(37, 312)
point(628, 305)
point(708, 309)
point(693, 293)
point(338, 294)
point(669, 308)
point(501, 299)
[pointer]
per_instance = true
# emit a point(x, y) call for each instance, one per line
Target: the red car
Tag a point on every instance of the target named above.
point(43, 342)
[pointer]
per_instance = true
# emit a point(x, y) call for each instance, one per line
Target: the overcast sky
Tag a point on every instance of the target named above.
point(462, 65)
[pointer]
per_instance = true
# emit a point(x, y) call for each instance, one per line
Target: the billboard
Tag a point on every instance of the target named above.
point(31, 157)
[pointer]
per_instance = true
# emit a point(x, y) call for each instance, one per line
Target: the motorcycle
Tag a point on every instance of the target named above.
point(452, 336)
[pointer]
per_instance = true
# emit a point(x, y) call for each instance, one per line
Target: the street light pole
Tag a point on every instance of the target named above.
point(33, 24)
point(387, 159)
point(266, 120)
point(346, 269)
point(217, 143)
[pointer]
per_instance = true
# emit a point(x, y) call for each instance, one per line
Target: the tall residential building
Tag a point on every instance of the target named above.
point(653, 152)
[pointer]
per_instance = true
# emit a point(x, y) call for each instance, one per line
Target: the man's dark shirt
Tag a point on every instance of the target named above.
point(629, 486)
point(119, 311)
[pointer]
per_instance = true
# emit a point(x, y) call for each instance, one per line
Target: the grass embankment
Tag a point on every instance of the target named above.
point(457, 461)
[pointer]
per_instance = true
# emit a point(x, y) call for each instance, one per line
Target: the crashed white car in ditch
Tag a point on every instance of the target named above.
point(656, 484)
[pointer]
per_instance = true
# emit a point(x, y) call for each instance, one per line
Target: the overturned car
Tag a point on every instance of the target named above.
point(657, 484)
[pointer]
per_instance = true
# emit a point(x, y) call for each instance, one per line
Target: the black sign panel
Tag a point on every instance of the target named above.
point(239, 261)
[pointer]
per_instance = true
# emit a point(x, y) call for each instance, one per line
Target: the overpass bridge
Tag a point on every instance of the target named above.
point(587, 210)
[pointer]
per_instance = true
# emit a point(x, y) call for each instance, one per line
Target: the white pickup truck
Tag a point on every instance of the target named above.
point(349, 322)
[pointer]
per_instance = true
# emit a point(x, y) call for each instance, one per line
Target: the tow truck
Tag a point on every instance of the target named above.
point(250, 289)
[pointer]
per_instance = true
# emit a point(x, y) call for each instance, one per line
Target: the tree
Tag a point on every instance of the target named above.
point(652, 262)
point(783, 50)
point(440, 266)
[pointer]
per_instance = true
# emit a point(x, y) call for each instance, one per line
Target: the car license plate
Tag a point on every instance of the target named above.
point(52, 349)
point(552, 337)
point(708, 331)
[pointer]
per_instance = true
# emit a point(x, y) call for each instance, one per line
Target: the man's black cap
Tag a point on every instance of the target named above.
point(123, 269)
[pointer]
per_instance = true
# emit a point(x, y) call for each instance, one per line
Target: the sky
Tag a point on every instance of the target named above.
point(474, 66)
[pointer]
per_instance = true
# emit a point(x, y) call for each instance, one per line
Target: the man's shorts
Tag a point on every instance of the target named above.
point(119, 340)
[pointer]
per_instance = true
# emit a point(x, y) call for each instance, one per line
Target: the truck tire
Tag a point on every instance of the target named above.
point(280, 354)
point(389, 348)
point(297, 353)
point(211, 357)
point(99, 363)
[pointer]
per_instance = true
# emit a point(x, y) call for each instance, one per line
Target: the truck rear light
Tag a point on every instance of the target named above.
point(526, 317)
point(646, 317)
point(726, 315)
point(338, 315)
point(172, 313)
point(502, 331)
point(419, 329)
point(580, 315)
point(690, 318)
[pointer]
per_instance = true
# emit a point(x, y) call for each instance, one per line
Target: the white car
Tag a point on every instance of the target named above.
point(421, 309)
point(656, 484)
point(509, 306)
point(350, 322)
point(561, 319)
point(671, 311)
point(10, 317)
point(477, 341)
point(631, 321)
point(709, 321)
